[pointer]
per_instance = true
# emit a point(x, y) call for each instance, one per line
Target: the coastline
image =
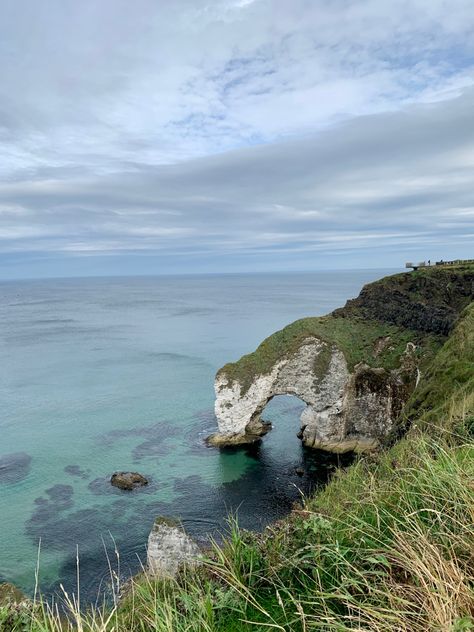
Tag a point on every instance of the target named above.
point(420, 441)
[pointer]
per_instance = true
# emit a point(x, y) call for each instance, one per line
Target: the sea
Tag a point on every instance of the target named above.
point(99, 375)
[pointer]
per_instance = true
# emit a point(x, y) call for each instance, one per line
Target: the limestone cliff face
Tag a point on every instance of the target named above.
point(345, 410)
point(355, 369)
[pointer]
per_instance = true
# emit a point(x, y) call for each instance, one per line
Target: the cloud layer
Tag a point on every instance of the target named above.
point(234, 135)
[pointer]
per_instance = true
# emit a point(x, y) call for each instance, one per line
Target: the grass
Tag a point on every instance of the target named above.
point(356, 337)
point(450, 376)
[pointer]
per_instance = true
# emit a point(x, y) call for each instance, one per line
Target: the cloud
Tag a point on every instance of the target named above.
point(232, 132)
point(398, 180)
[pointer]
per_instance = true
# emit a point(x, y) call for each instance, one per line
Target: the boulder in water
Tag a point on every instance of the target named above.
point(169, 548)
point(128, 480)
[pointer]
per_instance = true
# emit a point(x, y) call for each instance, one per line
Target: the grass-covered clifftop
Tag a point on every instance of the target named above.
point(420, 307)
point(387, 546)
point(357, 338)
point(449, 378)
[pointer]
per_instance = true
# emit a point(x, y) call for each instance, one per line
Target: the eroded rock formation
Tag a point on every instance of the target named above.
point(428, 301)
point(355, 369)
point(345, 410)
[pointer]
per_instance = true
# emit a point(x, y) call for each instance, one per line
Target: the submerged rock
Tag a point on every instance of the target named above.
point(169, 548)
point(76, 470)
point(14, 467)
point(128, 480)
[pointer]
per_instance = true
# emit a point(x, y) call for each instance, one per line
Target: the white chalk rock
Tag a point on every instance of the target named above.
point(170, 548)
point(344, 411)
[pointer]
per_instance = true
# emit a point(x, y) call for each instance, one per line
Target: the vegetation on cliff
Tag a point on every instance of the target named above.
point(420, 307)
point(428, 299)
point(355, 336)
point(449, 378)
point(388, 545)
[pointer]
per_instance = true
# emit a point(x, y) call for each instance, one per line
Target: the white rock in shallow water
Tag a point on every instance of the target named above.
point(169, 548)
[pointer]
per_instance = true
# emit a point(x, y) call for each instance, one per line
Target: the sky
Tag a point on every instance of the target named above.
point(196, 136)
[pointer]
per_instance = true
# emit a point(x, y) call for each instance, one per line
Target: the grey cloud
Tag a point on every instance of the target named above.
point(235, 128)
point(398, 179)
point(188, 78)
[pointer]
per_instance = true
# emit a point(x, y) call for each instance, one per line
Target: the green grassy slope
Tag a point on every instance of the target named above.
point(420, 307)
point(356, 337)
point(449, 378)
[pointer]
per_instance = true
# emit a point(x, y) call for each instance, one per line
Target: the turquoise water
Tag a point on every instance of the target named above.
point(99, 375)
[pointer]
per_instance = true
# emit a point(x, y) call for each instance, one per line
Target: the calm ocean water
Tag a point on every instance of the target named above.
point(99, 375)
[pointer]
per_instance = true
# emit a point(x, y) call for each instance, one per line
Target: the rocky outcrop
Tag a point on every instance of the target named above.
point(345, 410)
point(355, 369)
point(170, 548)
point(128, 480)
point(428, 301)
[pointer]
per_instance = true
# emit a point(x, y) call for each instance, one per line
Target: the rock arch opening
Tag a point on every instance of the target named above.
point(283, 413)
point(287, 406)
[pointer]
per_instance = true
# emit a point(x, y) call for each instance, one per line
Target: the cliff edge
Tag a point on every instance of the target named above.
point(355, 369)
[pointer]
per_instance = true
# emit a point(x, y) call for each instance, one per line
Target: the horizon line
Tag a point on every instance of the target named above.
point(191, 274)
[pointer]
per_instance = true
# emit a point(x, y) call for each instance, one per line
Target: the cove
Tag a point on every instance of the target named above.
point(100, 375)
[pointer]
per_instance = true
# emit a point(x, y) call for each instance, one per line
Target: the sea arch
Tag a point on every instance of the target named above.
point(344, 410)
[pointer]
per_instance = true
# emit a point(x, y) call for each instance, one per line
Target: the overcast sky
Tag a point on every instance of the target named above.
point(168, 136)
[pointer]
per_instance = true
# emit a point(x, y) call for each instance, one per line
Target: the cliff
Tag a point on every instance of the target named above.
point(355, 368)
